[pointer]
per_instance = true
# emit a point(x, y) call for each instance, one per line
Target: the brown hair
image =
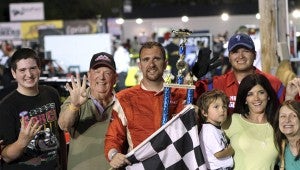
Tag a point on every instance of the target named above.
point(152, 44)
point(208, 97)
point(280, 138)
point(24, 53)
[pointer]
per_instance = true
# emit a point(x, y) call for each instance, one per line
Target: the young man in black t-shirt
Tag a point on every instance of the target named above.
point(28, 118)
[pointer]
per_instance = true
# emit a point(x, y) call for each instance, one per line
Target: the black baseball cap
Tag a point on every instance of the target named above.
point(103, 59)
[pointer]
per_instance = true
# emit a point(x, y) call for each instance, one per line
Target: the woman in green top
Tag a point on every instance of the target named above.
point(287, 134)
point(249, 130)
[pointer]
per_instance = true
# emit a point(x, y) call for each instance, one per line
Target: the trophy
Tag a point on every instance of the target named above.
point(181, 65)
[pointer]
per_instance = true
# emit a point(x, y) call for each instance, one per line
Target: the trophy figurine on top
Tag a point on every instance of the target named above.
point(181, 65)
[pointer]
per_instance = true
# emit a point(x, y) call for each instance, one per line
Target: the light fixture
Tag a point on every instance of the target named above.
point(127, 6)
point(296, 13)
point(120, 21)
point(184, 18)
point(139, 20)
point(257, 16)
point(224, 16)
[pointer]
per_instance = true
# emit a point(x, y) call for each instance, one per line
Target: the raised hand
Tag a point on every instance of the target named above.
point(292, 89)
point(204, 64)
point(78, 91)
point(28, 131)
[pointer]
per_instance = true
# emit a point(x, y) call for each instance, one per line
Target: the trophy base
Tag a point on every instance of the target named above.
point(182, 86)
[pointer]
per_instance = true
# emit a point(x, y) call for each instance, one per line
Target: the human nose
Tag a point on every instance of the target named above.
point(222, 109)
point(256, 96)
point(289, 118)
point(152, 61)
point(285, 119)
point(240, 53)
point(225, 109)
point(28, 72)
point(101, 75)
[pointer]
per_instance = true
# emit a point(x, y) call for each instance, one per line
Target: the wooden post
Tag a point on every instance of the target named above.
point(268, 35)
point(283, 32)
point(282, 19)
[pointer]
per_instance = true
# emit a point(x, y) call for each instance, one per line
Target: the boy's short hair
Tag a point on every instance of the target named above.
point(24, 53)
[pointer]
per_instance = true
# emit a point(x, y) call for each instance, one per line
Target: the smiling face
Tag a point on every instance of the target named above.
point(241, 59)
point(27, 74)
point(257, 99)
point(152, 64)
point(102, 80)
point(288, 122)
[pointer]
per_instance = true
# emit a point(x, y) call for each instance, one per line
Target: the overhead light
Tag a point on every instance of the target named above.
point(184, 18)
point(257, 16)
point(127, 7)
point(120, 21)
point(296, 13)
point(224, 16)
point(139, 20)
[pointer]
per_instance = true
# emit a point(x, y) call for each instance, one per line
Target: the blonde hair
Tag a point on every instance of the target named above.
point(285, 72)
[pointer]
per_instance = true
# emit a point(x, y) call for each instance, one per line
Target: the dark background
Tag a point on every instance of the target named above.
point(89, 9)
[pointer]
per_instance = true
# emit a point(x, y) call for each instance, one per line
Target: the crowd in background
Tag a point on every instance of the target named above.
point(129, 70)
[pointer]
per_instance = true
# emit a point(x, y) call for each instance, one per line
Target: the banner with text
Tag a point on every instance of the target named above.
point(10, 31)
point(30, 30)
point(26, 11)
point(80, 27)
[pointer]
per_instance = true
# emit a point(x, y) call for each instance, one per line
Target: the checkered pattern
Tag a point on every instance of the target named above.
point(174, 146)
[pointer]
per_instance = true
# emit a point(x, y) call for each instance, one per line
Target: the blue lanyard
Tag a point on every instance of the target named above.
point(98, 106)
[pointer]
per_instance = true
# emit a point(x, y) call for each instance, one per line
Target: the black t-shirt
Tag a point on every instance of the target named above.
point(42, 151)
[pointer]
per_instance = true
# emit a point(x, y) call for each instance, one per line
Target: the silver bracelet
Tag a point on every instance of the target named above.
point(113, 154)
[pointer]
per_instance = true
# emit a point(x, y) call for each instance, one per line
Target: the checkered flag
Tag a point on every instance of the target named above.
point(174, 146)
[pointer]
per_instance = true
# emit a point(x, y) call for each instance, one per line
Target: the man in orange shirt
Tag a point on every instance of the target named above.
point(137, 112)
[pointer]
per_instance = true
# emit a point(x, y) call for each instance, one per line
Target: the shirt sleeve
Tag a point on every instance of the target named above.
point(211, 139)
point(116, 132)
point(201, 87)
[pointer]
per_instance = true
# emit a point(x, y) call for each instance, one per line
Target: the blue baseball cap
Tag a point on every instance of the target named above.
point(241, 40)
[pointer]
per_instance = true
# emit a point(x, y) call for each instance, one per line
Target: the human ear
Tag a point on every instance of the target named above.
point(203, 113)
